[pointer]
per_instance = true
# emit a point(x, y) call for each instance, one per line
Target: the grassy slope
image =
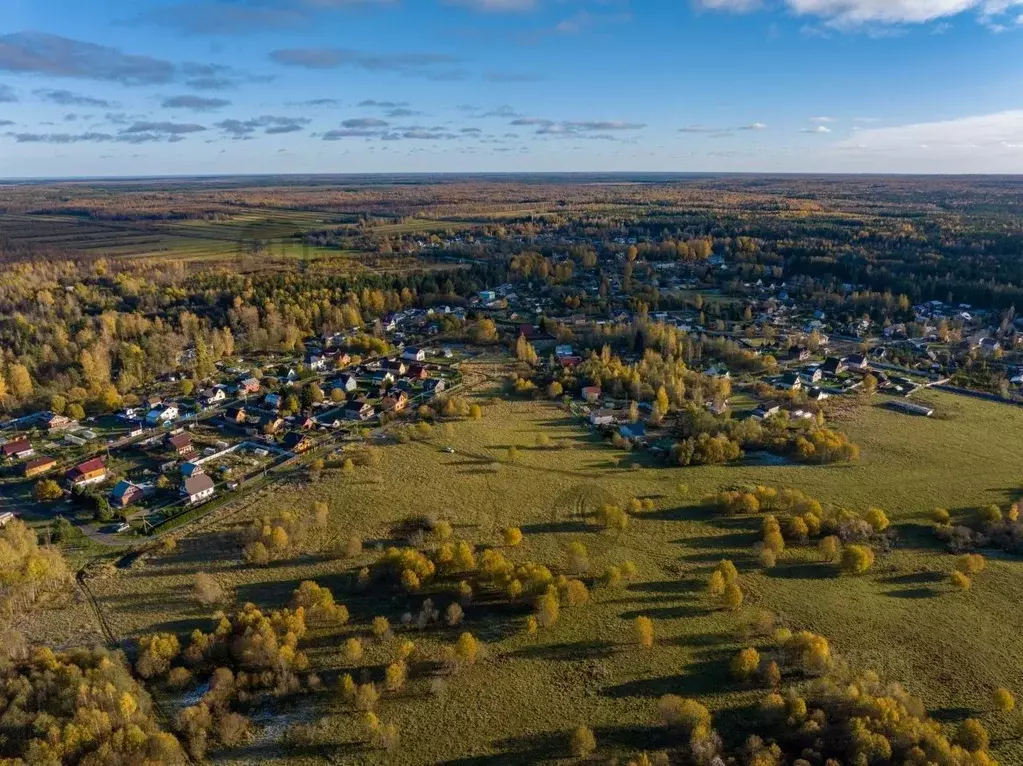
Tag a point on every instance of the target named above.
point(900, 619)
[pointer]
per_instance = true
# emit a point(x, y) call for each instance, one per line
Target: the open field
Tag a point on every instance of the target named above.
point(515, 706)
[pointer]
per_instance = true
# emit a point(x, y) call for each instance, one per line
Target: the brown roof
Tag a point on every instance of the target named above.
point(180, 441)
point(89, 466)
point(13, 448)
point(38, 462)
point(198, 483)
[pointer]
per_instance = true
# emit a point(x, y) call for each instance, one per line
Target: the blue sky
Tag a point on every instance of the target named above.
point(143, 87)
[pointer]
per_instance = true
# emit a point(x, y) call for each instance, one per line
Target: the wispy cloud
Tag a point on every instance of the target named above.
point(864, 13)
point(817, 129)
point(67, 98)
point(7, 95)
point(195, 103)
point(242, 17)
point(434, 66)
point(268, 124)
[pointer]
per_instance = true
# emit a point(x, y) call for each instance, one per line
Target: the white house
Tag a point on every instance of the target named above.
point(413, 354)
point(198, 488)
point(162, 415)
point(602, 418)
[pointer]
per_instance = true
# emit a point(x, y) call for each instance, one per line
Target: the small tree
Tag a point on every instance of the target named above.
point(207, 590)
point(453, 614)
point(687, 715)
point(644, 629)
point(512, 536)
point(1004, 701)
point(877, 519)
point(960, 581)
point(941, 516)
point(733, 597)
point(353, 650)
point(972, 736)
point(828, 548)
point(716, 584)
point(47, 491)
point(971, 564)
point(857, 559)
point(395, 676)
point(381, 628)
point(745, 664)
point(582, 743)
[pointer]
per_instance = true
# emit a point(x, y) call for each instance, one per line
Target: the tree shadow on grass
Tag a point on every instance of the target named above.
point(645, 738)
point(666, 612)
point(733, 541)
point(568, 652)
point(520, 751)
point(568, 526)
point(951, 714)
point(677, 587)
point(803, 572)
point(914, 578)
point(913, 593)
point(705, 677)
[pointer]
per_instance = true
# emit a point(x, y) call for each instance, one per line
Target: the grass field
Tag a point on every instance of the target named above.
point(516, 705)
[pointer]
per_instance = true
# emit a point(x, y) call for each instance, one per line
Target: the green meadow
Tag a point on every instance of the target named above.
point(517, 703)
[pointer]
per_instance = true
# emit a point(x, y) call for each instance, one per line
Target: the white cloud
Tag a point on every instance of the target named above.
point(818, 129)
point(822, 120)
point(979, 144)
point(852, 13)
point(754, 126)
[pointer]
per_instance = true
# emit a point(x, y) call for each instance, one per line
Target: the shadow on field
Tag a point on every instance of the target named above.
point(665, 612)
point(677, 587)
point(707, 676)
point(524, 750)
point(569, 652)
point(914, 578)
point(913, 593)
point(570, 526)
point(951, 714)
point(733, 541)
point(803, 572)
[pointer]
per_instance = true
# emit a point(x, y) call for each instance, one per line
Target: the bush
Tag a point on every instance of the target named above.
point(578, 560)
point(207, 590)
point(877, 519)
point(611, 517)
point(971, 564)
point(728, 571)
point(828, 548)
point(960, 581)
point(547, 608)
point(745, 664)
point(941, 516)
point(1004, 701)
point(972, 736)
point(716, 584)
point(156, 652)
point(687, 715)
point(353, 650)
point(381, 628)
point(318, 603)
point(512, 536)
point(992, 514)
point(47, 491)
point(453, 614)
point(644, 629)
point(467, 649)
point(857, 559)
point(733, 597)
point(767, 558)
point(582, 743)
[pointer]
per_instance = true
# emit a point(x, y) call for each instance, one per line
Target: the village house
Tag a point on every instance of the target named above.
point(316, 362)
point(54, 422)
point(417, 372)
point(346, 383)
point(764, 412)
point(394, 366)
point(181, 444)
point(790, 381)
point(235, 415)
point(191, 469)
point(37, 466)
point(269, 424)
point(857, 363)
point(211, 396)
point(296, 442)
point(413, 354)
point(632, 431)
point(602, 418)
point(434, 385)
point(19, 449)
point(273, 401)
point(125, 493)
point(152, 402)
point(248, 386)
point(591, 394)
point(358, 410)
point(198, 488)
point(162, 415)
point(812, 375)
point(395, 402)
point(343, 359)
point(833, 365)
point(90, 472)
